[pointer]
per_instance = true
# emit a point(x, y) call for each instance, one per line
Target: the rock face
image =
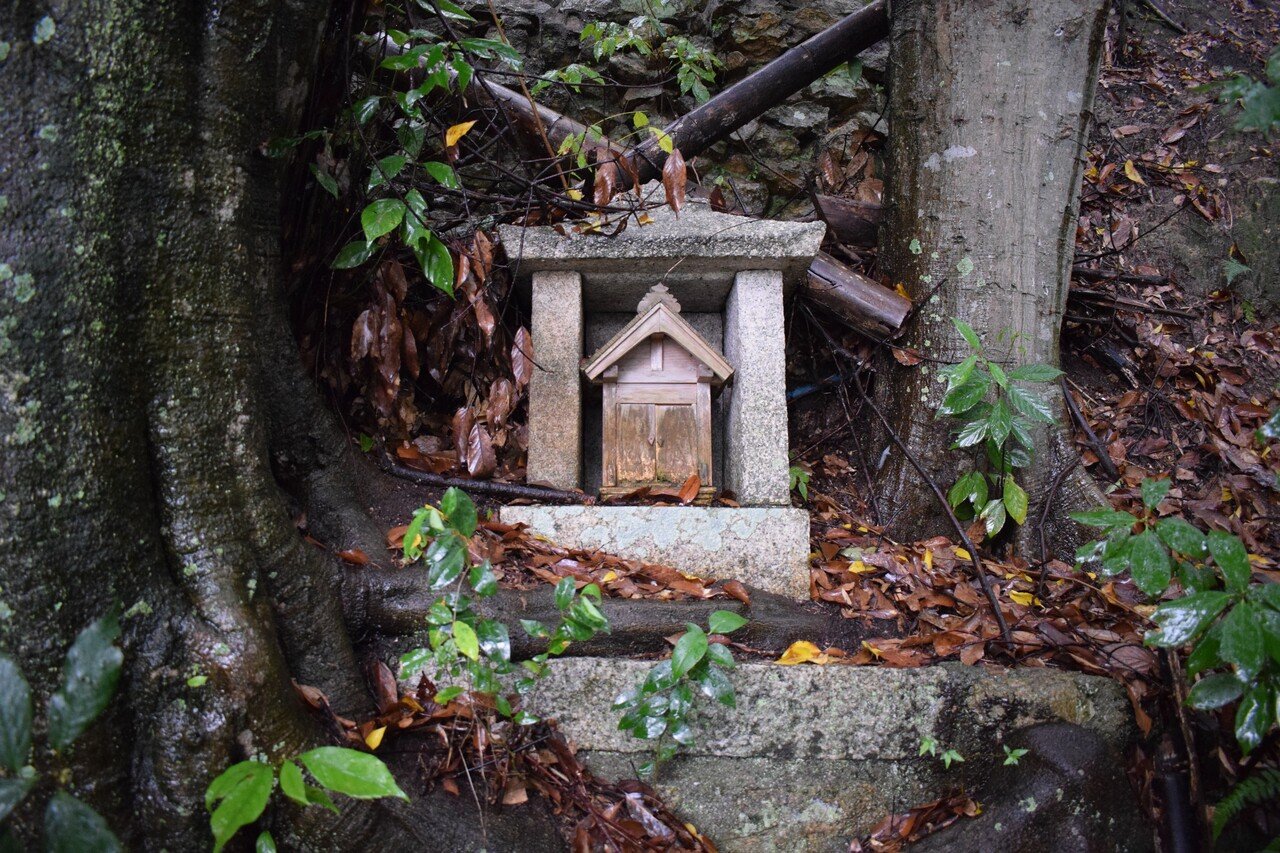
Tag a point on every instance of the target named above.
point(812, 757)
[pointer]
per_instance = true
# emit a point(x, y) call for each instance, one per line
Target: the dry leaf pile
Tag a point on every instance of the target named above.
point(522, 559)
point(468, 750)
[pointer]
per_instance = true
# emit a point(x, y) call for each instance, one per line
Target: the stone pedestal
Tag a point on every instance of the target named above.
point(767, 547)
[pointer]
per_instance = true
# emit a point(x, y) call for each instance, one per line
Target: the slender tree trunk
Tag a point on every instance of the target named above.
point(989, 105)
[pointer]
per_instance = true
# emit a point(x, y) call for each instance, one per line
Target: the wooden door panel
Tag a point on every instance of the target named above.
point(677, 450)
point(635, 449)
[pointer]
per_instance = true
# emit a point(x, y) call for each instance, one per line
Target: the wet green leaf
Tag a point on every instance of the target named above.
point(1034, 373)
point(725, 622)
point(381, 217)
point(241, 792)
point(966, 396)
point(1149, 563)
point(1154, 491)
point(89, 677)
point(352, 255)
point(1108, 519)
point(689, 649)
point(1242, 642)
point(70, 826)
point(347, 771)
point(1215, 691)
point(1182, 620)
point(15, 716)
point(967, 332)
point(1015, 500)
point(460, 511)
point(1232, 559)
point(1254, 717)
point(467, 641)
point(443, 173)
point(1183, 538)
point(12, 791)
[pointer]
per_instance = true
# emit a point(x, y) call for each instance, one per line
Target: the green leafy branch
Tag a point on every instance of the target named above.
point(694, 65)
point(993, 495)
point(239, 795)
point(1231, 624)
point(90, 674)
point(468, 650)
point(661, 707)
point(1259, 99)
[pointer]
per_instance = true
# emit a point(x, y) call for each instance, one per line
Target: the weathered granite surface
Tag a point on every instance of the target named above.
point(555, 388)
point(756, 450)
point(696, 253)
point(814, 756)
point(767, 547)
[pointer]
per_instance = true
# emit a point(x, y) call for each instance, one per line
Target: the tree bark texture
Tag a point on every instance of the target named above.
point(988, 104)
point(143, 387)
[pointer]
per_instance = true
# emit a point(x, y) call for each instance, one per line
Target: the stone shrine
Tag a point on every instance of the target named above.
point(644, 410)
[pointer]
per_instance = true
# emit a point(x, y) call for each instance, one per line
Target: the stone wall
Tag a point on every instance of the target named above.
point(769, 160)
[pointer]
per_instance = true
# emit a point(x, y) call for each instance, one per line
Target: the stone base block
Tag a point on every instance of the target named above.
point(765, 547)
point(812, 757)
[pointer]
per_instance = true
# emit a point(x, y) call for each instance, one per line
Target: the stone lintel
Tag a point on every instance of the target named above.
point(555, 390)
point(756, 445)
point(765, 547)
point(697, 254)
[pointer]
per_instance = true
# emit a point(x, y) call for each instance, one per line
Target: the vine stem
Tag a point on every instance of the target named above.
point(972, 550)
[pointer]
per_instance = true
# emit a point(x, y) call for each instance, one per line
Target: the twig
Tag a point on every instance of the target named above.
point(969, 547)
point(1164, 17)
point(486, 487)
point(1108, 467)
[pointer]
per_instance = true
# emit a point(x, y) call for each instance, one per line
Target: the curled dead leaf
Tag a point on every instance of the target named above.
point(481, 459)
point(674, 178)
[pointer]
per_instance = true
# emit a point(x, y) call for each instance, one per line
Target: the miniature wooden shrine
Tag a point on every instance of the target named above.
point(657, 375)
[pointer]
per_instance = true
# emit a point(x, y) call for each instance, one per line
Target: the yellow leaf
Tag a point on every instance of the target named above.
point(374, 739)
point(1131, 172)
point(962, 553)
point(858, 567)
point(928, 559)
point(575, 194)
point(1026, 599)
point(453, 134)
point(802, 651)
point(609, 576)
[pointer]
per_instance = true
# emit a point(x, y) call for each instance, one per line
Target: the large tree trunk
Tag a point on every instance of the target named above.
point(989, 104)
point(144, 385)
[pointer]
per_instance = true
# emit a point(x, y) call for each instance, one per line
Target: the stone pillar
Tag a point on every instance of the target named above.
point(555, 390)
point(756, 444)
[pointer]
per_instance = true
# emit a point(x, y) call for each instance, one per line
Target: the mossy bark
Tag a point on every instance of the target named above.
point(148, 384)
point(988, 107)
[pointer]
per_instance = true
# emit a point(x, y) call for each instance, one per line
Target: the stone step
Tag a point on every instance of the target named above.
point(813, 756)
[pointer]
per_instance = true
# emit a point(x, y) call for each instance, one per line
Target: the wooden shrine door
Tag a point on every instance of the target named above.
point(657, 418)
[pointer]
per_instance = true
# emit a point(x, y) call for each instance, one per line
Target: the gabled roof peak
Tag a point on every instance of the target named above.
point(658, 294)
point(659, 319)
